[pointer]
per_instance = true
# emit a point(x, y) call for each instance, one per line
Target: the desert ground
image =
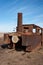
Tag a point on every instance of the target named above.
point(14, 57)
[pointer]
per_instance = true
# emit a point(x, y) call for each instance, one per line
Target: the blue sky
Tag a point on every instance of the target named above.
point(32, 13)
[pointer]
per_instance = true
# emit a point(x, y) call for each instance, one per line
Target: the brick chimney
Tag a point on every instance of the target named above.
point(19, 23)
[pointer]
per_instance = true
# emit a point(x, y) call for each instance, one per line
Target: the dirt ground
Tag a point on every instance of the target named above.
point(13, 57)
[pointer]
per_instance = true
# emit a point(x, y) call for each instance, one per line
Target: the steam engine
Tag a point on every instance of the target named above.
point(28, 37)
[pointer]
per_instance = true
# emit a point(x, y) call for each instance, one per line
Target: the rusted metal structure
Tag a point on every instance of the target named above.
point(29, 36)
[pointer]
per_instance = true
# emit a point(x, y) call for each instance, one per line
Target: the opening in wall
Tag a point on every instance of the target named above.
point(26, 28)
point(40, 31)
point(34, 30)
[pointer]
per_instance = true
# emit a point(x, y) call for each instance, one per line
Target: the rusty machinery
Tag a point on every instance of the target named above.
point(25, 36)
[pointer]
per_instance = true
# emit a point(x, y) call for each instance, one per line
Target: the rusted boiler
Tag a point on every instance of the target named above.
point(29, 36)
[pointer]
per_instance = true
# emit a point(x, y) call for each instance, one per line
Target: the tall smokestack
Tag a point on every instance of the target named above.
point(19, 23)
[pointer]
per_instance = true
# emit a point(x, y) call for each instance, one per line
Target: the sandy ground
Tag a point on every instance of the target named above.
point(12, 57)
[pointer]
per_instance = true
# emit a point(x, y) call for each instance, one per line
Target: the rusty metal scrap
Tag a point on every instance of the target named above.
point(29, 38)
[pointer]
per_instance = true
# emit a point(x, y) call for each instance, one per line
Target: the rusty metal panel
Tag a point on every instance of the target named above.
point(31, 40)
point(25, 41)
point(6, 39)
